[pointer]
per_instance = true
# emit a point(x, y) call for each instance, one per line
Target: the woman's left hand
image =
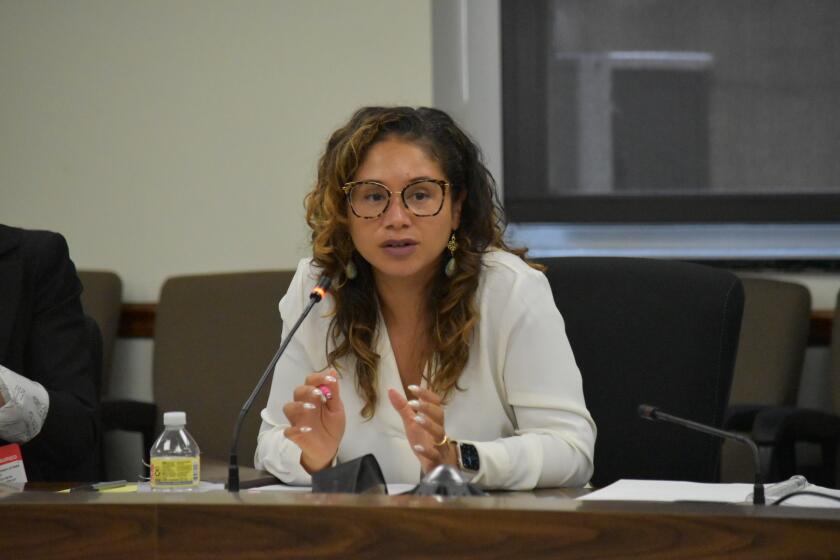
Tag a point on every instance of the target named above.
point(424, 427)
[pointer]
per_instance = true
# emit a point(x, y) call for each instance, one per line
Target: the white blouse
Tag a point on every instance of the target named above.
point(522, 402)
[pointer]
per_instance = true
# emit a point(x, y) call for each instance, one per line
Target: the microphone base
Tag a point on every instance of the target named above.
point(758, 494)
point(446, 480)
point(233, 474)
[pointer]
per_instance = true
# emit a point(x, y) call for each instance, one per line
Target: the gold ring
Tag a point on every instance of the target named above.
point(443, 442)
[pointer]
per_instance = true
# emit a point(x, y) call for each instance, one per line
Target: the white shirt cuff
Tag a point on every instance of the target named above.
point(25, 409)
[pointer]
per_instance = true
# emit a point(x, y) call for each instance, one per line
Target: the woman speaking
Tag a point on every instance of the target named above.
point(438, 343)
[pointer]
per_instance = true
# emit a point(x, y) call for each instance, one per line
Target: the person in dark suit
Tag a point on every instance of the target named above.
point(48, 400)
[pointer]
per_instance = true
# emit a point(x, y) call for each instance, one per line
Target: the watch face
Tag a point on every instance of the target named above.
point(469, 457)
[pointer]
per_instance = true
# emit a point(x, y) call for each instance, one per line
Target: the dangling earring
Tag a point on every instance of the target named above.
point(350, 270)
point(450, 264)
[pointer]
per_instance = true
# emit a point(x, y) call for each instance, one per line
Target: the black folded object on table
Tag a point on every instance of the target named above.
point(359, 476)
point(364, 476)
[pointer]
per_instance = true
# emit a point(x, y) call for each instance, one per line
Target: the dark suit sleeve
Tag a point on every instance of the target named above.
point(58, 355)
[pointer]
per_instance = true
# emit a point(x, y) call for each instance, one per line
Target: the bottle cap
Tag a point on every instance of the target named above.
point(174, 419)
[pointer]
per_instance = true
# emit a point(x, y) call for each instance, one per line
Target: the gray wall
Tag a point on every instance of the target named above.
point(178, 137)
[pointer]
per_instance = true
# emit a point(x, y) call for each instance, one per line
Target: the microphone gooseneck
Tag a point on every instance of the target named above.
point(316, 295)
point(649, 412)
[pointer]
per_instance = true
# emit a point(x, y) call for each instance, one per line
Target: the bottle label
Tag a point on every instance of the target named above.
point(175, 471)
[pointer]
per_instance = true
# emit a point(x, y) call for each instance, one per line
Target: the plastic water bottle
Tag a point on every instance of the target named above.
point(175, 461)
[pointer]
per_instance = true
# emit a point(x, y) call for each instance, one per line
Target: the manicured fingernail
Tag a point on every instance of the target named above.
point(309, 406)
point(326, 391)
point(305, 429)
point(330, 378)
point(420, 419)
point(419, 448)
point(414, 388)
point(414, 403)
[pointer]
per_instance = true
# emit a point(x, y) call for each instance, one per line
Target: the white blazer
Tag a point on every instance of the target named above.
point(522, 405)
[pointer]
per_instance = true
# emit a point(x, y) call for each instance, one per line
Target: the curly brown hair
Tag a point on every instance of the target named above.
point(451, 301)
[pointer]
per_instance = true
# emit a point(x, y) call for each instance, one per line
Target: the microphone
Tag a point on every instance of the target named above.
point(649, 412)
point(316, 295)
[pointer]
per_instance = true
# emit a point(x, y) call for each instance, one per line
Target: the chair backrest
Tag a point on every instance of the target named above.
point(214, 336)
point(774, 337)
point(102, 300)
point(657, 332)
point(771, 353)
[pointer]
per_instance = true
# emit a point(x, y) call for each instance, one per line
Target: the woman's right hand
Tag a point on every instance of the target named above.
point(317, 425)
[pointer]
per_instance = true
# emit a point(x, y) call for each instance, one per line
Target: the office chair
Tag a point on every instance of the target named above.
point(214, 336)
point(650, 331)
point(777, 430)
point(102, 303)
point(768, 367)
point(102, 300)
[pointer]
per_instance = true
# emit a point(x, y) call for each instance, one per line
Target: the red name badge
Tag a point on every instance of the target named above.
point(11, 464)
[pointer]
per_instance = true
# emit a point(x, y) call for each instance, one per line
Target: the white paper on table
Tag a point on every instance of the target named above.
point(670, 491)
point(674, 490)
point(393, 489)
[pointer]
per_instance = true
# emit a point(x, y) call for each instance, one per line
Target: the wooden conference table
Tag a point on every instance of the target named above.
point(541, 524)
